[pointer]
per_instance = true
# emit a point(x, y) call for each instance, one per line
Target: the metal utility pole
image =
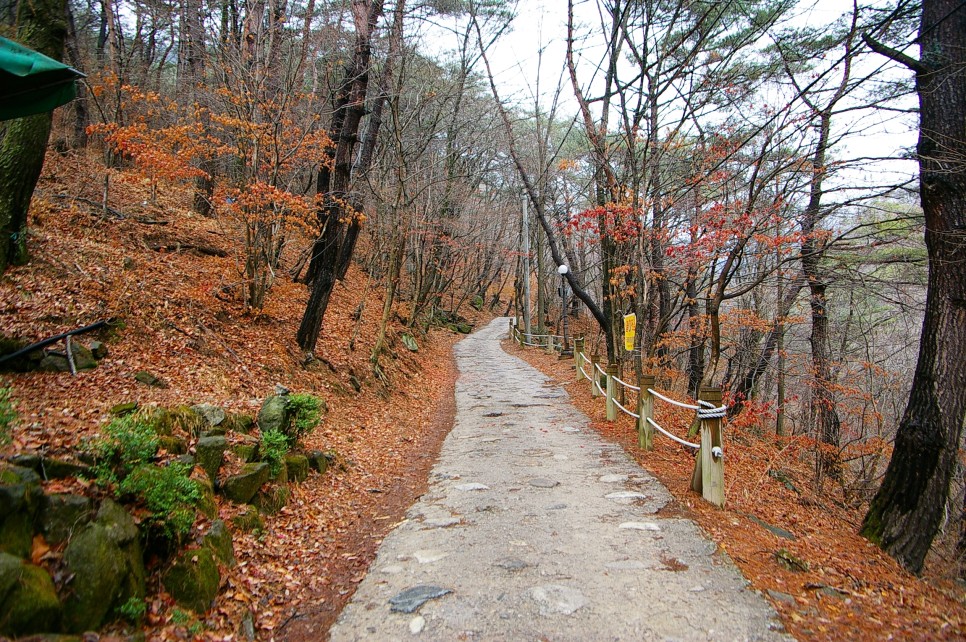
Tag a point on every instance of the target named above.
point(526, 268)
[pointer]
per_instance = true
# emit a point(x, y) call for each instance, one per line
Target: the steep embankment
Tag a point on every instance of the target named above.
point(170, 280)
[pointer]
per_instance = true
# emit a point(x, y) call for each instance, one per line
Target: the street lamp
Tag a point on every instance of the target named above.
point(562, 270)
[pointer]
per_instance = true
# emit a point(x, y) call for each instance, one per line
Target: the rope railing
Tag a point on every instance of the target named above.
point(627, 385)
point(708, 478)
point(673, 437)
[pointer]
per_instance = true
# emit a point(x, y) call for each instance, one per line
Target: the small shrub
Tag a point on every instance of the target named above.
point(274, 445)
point(127, 442)
point(183, 618)
point(133, 609)
point(169, 494)
point(306, 412)
point(7, 416)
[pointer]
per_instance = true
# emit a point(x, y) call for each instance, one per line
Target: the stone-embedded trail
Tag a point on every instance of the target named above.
point(534, 528)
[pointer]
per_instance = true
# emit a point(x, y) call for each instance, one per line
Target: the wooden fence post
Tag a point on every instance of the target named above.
point(594, 391)
point(708, 478)
point(578, 356)
point(611, 389)
point(645, 409)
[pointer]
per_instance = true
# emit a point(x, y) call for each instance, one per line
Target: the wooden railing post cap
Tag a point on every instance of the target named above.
point(711, 394)
point(611, 368)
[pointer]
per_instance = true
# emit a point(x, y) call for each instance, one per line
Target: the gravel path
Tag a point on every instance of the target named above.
point(534, 528)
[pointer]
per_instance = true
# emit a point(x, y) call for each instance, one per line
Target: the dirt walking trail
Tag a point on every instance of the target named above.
point(533, 528)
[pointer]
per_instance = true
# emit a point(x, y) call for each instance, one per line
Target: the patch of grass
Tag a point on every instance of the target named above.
point(169, 494)
point(8, 416)
point(274, 446)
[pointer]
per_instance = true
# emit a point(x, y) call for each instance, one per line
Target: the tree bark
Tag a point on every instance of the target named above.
point(332, 251)
point(41, 25)
point(908, 508)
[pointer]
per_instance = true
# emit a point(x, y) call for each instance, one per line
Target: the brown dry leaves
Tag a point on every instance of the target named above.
point(181, 323)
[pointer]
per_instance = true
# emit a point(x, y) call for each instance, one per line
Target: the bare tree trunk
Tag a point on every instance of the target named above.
point(908, 508)
point(332, 251)
point(42, 25)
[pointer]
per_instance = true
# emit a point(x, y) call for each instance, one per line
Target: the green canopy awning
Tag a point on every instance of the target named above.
point(32, 83)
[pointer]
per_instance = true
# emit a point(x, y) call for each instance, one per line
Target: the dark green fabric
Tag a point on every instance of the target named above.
point(32, 83)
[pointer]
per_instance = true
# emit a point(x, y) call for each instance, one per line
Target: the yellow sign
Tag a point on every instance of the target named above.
point(630, 329)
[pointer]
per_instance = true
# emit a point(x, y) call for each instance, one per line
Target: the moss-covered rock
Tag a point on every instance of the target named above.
point(210, 453)
point(120, 526)
point(242, 487)
point(95, 565)
point(319, 460)
point(57, 361)
point(213, 415)
point(173, 444)
point(271, 499)
point(28, 599)
point(298, 467)
point(239, 423)
point(62, 468)
point(192, 580)
point(123, 531)
point(245, 452)
point(168, 421)
point(218, 539)
point(274, 414)
point(124, 408)
point(248, 520)
point(64, 514)
point(20, 503)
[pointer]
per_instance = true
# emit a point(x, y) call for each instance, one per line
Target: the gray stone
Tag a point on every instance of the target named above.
point(99, 349)
point(472, 486)
point(63, 515)
point(192, 580)
point(149, 379)
point(210, 453)
point(241, 488)
point(511, 564)
point(319, 460)
point(775, 530)
point(558, 599)
point(778, 596)
point(411, 599)
point(28, 599)
point(543, 482)
point(274, 414)
point(213, 415)
point(95, 565)
point(119, 524)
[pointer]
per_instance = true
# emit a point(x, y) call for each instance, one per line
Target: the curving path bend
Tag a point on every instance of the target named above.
point(534, 528)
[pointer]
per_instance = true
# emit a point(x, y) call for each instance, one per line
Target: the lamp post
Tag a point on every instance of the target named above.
point(562, 270)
